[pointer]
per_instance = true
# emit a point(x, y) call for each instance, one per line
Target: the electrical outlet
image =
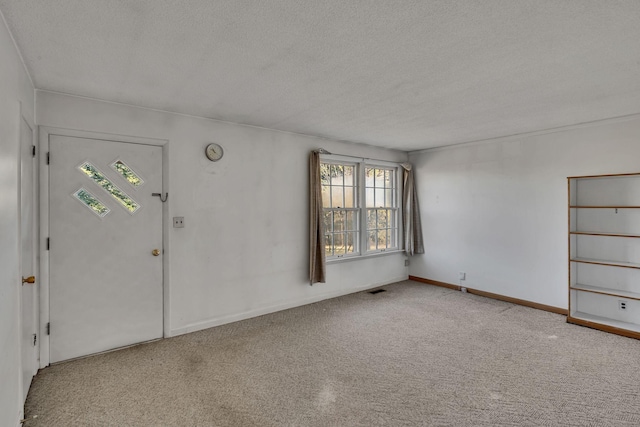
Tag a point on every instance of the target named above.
point(178, 222)
point(622, 305)
point(462, 275)
point(406, 263)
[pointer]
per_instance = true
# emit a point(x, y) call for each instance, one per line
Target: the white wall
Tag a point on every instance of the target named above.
point(497, 210)
point(15, 90)
point(243, 251)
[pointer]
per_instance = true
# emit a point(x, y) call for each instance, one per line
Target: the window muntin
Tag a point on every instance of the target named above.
point(341, 211)
point(381, 203)
point(361, 209)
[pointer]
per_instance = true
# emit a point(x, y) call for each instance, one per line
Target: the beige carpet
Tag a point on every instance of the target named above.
point(414, 355)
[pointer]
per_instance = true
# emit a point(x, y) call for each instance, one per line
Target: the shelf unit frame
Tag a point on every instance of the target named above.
point(626, 329)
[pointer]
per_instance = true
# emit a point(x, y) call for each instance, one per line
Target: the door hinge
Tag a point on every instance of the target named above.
point(48, 243)
point(33, 150)
point(35, 339)
point(48, 328)
point(48, 158)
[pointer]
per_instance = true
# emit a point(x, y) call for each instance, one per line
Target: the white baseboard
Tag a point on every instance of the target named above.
point(210, 323)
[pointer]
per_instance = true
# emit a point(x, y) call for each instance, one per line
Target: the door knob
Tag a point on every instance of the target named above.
point(30, 279)
point(155, 252)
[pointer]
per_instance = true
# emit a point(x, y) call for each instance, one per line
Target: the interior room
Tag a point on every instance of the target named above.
point(475, 162)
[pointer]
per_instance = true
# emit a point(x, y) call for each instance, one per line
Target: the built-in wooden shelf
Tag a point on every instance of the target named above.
point(609, 263)
point(611, 206)
point(599, 320)
point(603, 207)
point(599, 233)
point(606, 291)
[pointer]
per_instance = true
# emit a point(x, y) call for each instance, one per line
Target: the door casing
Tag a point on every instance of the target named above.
point(29, 361)
point(44, 135)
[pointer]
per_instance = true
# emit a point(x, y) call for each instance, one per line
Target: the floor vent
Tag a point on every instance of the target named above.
point(377, 291)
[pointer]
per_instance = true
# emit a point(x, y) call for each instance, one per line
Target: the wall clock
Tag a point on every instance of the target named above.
point(214, 152)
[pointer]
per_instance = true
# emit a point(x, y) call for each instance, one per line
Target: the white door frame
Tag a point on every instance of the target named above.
point(44, 133)
point(29, 121)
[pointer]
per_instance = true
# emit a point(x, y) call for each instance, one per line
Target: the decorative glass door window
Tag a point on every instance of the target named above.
point(127, 173)
point(100, 179)
point(92, 202)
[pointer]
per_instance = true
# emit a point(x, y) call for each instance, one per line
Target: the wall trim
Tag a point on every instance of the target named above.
point(198, 326)
point(605, 328)
point(517, 136)
point(505, 298)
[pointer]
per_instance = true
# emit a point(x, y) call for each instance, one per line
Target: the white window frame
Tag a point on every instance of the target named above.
point(360, 188)
point(395, 207)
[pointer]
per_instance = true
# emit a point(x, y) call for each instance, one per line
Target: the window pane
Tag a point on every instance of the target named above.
point(379, 197)
point(351, 221)
point(388, 198)
point(348, 197)
point(383, 219)
point(351, 243)
point(338, 243)
point(337, 175)
point(328, 221)
point(371, 219)
point(127, 173)
point(392, 237)
point(92, 202)
point(326, 196)
point(379, 180)
point(369, 177)
point(372, 240)
point(98, 177)
point(388, 177)
point(336, 197)
point(348, 175)
point(382, 239)
point(325, 174)
point(338, 221)
point(328, 244)
point(369, 197)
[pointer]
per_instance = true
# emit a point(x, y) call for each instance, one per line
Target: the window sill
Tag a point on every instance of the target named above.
point(366, 256)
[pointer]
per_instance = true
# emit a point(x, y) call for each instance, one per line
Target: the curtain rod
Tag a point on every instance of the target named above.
point(323, 151)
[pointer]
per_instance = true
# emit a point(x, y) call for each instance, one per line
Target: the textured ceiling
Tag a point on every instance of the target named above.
point(407, 74)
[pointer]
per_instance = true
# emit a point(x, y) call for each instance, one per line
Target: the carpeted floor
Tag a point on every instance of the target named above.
point(414, 355)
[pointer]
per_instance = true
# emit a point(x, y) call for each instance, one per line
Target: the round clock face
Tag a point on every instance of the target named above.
point(214, 152)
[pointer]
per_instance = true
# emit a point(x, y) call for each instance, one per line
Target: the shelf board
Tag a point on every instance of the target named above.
point(603, 207)
point(611, 175)
point(606, 291)
point(606, 321)
point(600, 233)
point(603, 262)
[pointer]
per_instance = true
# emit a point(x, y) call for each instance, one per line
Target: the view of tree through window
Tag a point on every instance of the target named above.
point(92, 202)
point(127, 173)
point(99, 178)
point(344, 219)
point(341, 213)
point(382, 211)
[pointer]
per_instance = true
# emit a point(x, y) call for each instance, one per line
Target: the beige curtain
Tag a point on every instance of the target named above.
point(411, 225)
point(317, 261)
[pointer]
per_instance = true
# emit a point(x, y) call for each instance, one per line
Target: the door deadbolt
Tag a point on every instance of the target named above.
point(155, 252)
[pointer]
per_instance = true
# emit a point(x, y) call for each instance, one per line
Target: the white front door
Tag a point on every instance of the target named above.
point(105, 245)
point(28, 312)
